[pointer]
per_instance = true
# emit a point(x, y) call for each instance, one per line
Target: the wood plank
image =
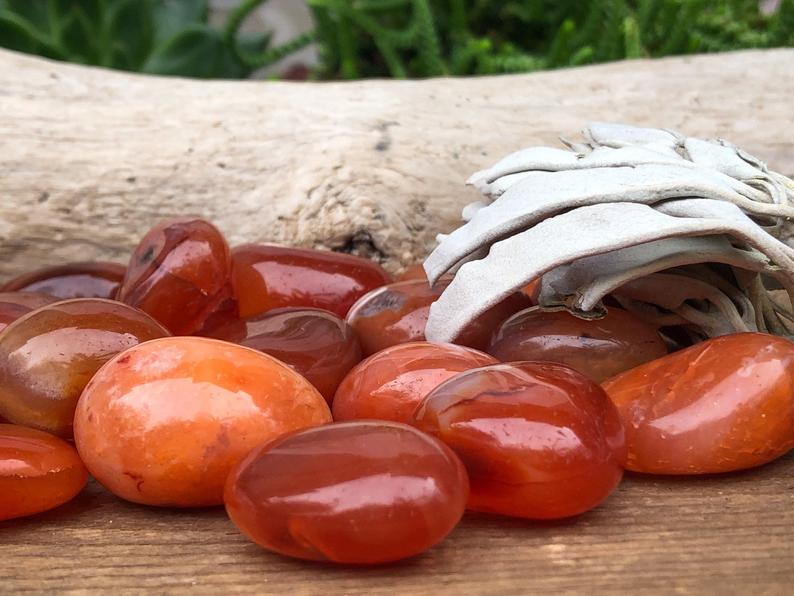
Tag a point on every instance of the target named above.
point(717, 534)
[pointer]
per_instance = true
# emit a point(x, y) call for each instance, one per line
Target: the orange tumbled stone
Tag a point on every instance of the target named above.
point(390, 384)
point(415, 271)
point(362, 492)
point(164, 422)
point(539, 440)
point(599, 348)
point(97, 279)
point(14, 305)
point(316, 343)
point(48, 356)
point(397, 313)
point(180, 274)
point(722, 405)
point(37, 471)
point(268, 276)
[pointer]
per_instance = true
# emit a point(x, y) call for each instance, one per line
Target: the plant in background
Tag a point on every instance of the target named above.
point(396, 38)
point(169, 37)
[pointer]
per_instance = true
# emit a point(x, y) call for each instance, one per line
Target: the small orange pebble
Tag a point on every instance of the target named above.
point(48, 356)
point(164, 422)
point(363, 492)
point(721, 405)
point(415, 271)
point(390, 384)
point(97, 279)
point(38, 471)
point(538, 439)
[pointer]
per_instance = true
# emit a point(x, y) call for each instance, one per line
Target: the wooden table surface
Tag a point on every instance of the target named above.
point(719, 534)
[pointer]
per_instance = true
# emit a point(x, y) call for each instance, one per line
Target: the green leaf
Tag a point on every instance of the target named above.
point(172, 16)
point(131, 27)
point(199, 52)
point(17, 34)
point(34, 12)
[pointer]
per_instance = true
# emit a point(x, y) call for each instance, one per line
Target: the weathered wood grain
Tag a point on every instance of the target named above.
point(729, 534)
point(90, 159)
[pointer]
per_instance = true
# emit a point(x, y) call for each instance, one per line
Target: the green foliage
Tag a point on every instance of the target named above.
point(394, 38)
point(169, 37)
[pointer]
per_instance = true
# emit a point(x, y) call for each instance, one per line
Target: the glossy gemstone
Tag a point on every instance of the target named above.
point(73, 280)
point(599, 348)
point(354, 492)
point(415, 271)
point(48, 356)
point(721, 405)
point(390, 384)
point(37, 471)
point(15, 304)
point(397, 313)
point(539, 440)
point(164, 422)
point(270, 276)
point(316, 343)
point(180, 273)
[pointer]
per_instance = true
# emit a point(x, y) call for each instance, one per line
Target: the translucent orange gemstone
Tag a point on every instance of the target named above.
point(397, 313)
point(164, 422)
point(355, 492)
point(37, 471)
point(721, 405)
point(414, 272)
point(599, 348)
point(269, 276)
point(180, 274)
point(48, 356)
point(316, 343)
point(539, 440)
point(72, 280)
point(15, 304)
point(390, 384)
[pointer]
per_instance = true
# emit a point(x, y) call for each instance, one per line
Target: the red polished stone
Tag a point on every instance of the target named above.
point(164, 422)
point(269, 276)
point(390, 384)
point(37, 471)
point(539, 440)
point(48, 356)
point(722, 405)
point(599, 348)
point(414, 272)
point(13, 305)
point(397, 313)
point(73, 280)
point(316, 343)
point(356, 492)
point(180, 273)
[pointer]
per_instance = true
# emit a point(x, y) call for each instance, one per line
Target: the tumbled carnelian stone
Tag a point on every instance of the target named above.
point(164, 422)
point(316, 343)
point(269, 276)
point(364, 492)
point(722, 405)
point(539, 440)
point(13, 305)
point(38, 471)
point(180, 273)
point(599, 348)
point(48, 356)
point(393, 314)
point(397, 313)
point(414, 272)
point(390, 384)
point(72, 280)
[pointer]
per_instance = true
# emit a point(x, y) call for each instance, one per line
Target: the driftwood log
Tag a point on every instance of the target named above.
point(89, 159)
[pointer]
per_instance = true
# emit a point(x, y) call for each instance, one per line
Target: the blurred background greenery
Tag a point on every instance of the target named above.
point(388, 38)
